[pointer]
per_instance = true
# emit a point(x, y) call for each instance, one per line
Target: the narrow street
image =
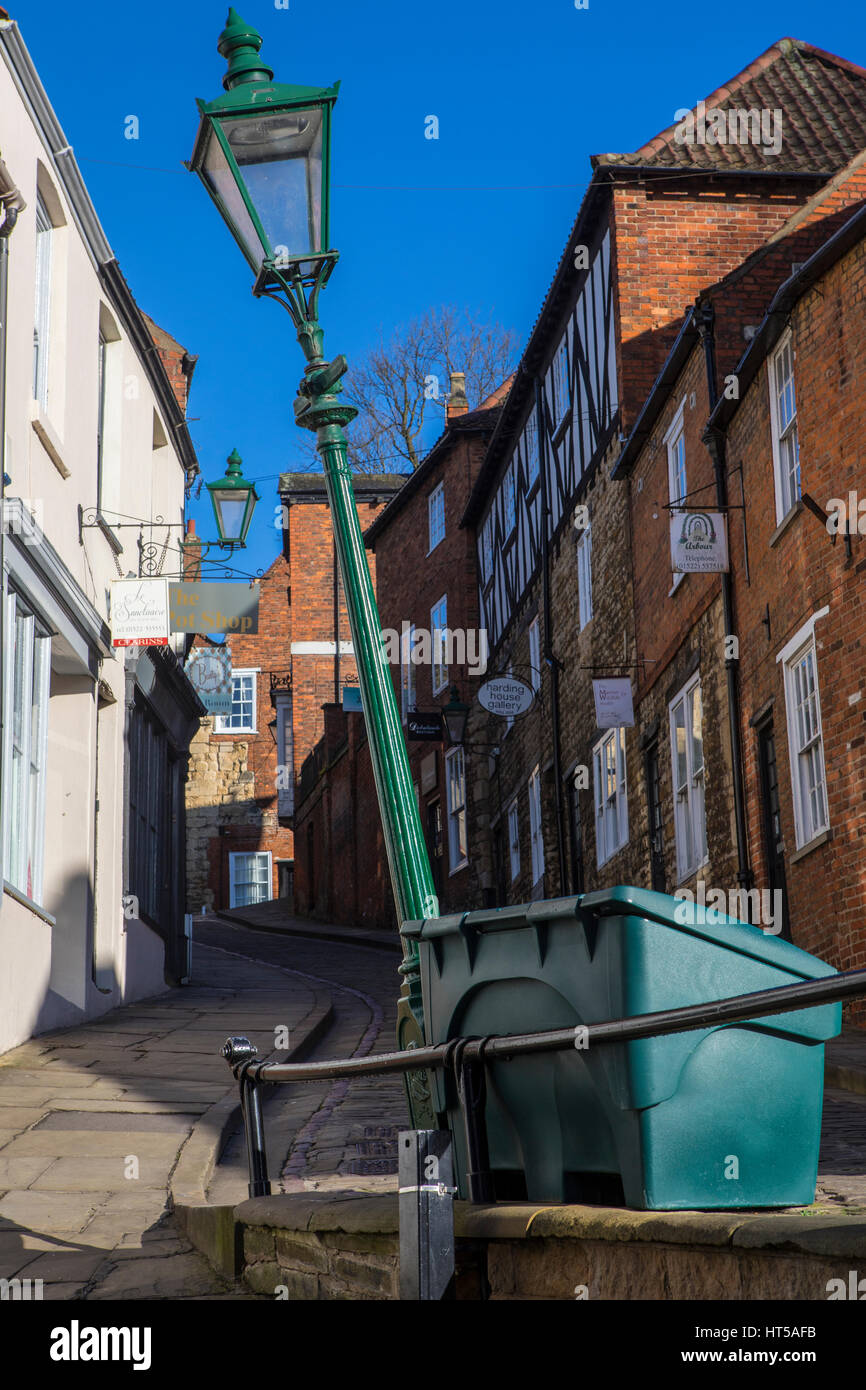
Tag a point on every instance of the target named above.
point(93, 1121)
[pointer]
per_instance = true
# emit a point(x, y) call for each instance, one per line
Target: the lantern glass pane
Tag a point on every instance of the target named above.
point(280, 159)
point(231, 509)
point(223, 186)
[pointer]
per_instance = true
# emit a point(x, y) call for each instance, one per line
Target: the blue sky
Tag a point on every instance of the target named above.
point(524, 93)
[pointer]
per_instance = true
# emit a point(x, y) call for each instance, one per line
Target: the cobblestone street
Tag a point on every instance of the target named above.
point(94, 1122)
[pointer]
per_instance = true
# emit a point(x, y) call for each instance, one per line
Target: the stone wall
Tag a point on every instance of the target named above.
point(346, 1246)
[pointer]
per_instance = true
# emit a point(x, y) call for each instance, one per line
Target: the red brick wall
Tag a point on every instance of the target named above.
point(411, 581)
point(311, 560)
point(350, 882)
point(296, 603)
point(797, 575)
point(672, 240)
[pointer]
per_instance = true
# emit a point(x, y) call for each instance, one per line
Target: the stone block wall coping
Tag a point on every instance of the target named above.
point(813, 1231)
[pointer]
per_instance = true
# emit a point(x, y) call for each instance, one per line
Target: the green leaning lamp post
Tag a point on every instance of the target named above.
point(263, 154)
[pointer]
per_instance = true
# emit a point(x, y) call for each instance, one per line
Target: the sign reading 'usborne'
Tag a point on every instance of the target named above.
point(139, 613)
point(506, 696)
point(196, 607)
point(210, 672)
point(613, 703)
point(699, 542)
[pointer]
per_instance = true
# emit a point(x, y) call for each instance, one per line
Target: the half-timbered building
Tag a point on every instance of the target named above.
point(556, 534)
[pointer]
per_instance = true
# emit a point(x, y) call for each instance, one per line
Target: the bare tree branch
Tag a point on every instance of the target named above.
point(401, 385)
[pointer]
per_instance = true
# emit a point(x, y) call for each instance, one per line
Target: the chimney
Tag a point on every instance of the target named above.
point(191, 564)
point(457, 402)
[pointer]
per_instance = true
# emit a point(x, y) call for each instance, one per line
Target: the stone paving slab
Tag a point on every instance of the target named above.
point(75, 1104)
point(100, 1174)
point(75, 1144)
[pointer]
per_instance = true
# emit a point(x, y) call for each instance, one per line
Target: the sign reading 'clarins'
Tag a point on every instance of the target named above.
point(139, 613)
point(195, 607)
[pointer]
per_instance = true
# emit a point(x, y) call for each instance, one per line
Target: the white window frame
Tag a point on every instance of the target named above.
point(536, 827)
point(805, 750)
point(42, 310)
point(487, 548)
point(675, 432)
point(690, 820)
point(222, 722)
point(408, 694)
point(784, 433)
point(610, 794)
point(455, 779)
point(26, 819)
point(285, 754)
point(676, 435)
point(584, 577)
point(438, 668)
point(513, 822)
point(535, 655)
point(435, 518)
point(509, 499)
point(560, 386)
point(247, 854)
point(531, 451)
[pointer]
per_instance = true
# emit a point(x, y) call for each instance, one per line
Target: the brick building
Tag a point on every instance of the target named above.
point(656, 273)
point(425, 575)
point(241, 788)
point(698, 351)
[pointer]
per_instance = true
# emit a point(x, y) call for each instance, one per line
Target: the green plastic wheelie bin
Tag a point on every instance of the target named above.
point(720, 1117)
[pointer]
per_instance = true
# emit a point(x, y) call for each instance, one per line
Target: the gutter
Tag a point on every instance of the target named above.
point(553, 663)
point(706, 316)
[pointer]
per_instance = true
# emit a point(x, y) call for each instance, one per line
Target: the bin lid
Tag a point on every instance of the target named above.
point(706, 922)
point(623, 900)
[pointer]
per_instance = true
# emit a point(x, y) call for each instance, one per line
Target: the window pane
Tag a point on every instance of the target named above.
point(695, 722)
point(680, 768)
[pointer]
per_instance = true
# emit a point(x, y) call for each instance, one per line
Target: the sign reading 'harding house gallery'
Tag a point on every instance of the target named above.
point(699, 542)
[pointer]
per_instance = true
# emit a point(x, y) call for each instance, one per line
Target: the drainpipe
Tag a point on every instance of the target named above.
point(552, 661)
point(715, 441)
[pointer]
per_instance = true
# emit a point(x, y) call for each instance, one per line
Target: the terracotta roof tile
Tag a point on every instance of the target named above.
point(822, 99)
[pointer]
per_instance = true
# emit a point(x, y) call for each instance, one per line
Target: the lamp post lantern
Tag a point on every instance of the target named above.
point(233, 500)
point(455, 714)
point(263, 154)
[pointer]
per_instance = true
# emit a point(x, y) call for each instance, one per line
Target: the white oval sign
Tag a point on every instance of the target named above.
point(506, 696)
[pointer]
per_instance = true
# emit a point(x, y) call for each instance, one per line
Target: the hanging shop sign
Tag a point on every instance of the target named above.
point(507, 696)
point(424, 728)
point(352, 699)
point(699, 542)
point(139, 613)
point(613, 703)
point(210, 672)
point(213, 607)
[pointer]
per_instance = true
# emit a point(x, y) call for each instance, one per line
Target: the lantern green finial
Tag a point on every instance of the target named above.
point(239, 42)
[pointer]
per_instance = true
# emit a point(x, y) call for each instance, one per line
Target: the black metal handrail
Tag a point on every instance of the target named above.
point(467, 1056)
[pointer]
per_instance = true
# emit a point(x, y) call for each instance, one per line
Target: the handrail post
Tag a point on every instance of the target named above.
point(240, 1055)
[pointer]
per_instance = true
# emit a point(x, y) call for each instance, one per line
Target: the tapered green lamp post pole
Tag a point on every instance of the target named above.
point(263, 154)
